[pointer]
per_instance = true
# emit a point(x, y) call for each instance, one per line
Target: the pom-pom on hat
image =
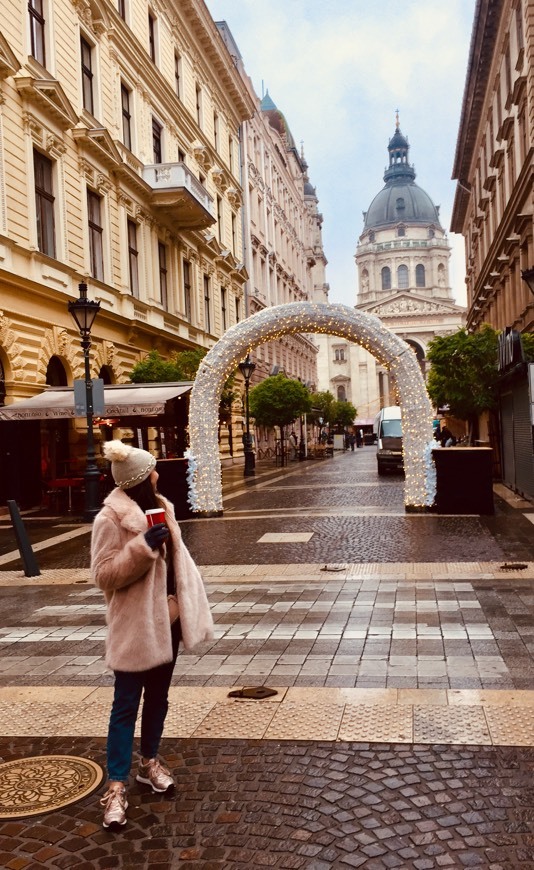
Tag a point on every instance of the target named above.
point(129, 465)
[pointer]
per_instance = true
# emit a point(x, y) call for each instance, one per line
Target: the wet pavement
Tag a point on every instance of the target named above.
point(402, 734)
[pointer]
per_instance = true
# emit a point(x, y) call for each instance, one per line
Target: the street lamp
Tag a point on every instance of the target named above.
point(528, 277)
point(84, 311)
point(246, 368)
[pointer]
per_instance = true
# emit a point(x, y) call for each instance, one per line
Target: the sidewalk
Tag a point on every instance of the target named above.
point(401, 734)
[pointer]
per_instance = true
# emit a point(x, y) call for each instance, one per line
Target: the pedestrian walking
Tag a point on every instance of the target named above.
point(138, 567)
point(352, 441)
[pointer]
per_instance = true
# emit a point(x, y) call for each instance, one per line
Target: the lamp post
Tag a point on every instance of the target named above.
point(246, 368)
point(84, 311)
point(528, 277)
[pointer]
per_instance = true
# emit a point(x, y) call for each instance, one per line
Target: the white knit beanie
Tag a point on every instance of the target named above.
point(129, 465)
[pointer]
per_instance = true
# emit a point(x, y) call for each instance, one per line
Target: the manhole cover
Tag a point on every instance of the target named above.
point(41, 784)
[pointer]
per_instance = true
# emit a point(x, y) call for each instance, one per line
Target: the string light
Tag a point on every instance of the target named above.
point(204, 466)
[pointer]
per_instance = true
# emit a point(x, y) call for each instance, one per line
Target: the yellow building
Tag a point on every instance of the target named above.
point(119, 166)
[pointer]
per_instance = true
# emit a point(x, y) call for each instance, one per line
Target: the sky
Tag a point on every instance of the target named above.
point(339, 70)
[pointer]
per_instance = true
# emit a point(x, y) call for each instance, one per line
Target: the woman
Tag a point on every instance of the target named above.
point(137, 567)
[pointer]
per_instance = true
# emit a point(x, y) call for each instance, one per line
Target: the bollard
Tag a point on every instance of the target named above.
point(31, 568)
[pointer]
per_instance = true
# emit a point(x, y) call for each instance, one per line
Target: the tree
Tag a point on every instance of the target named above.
point(342, 414)
point(464, 373)
point(321, 406)
point(278, 401)
point(154, 369)
point(183, 366)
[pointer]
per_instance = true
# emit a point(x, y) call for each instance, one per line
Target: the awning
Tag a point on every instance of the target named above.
point(363, 421)
point(121, 400)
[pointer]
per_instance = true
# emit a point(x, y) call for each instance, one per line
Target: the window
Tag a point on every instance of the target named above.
point(156, 141)
point(372, 236)
point(121, 9)
point(402, 277)
point(237, 310)
point(400, 203)
point(198, 94)
point(341, 394)
point(386, 278)
point(181, 156)
point(231, 154)
point(219, 219)
point(37, 30)
point(126, 117)
point(420, 279)
point(152, 37)
point(431, 233)
point(87, 76)
point(133, 255)
point(223, 308)
point(401, 231)
point(339, 354)
point(234, 234)
point(187, 289)
point(519, 27)
point(216, 130)
point(207, 301)
point(178, 75)
point(162, 260)
point(96, 250)
point(44, 203)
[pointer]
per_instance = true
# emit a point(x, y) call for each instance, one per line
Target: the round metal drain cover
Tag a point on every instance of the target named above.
point(41, 784)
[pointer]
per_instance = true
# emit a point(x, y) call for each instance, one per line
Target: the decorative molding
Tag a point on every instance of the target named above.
point(202, 155)
point(48, 96)
point(408, 306)
point(98, 142)
point(93, 14)
point(9, 63)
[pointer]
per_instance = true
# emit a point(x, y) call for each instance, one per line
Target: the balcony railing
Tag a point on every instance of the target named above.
point(176, 191)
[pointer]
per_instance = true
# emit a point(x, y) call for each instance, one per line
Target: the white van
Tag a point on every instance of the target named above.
point(387, 429)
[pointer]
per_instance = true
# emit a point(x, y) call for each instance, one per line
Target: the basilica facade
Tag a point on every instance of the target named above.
point(402, 259)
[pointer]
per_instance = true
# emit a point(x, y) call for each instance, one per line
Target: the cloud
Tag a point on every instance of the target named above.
point(338, 70)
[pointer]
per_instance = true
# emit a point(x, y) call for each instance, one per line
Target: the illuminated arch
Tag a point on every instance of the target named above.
point(204, 471)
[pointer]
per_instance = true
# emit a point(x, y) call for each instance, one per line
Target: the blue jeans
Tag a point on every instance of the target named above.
point(129, 686)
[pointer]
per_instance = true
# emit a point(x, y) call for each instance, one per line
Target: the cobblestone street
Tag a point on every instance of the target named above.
point(401, 648)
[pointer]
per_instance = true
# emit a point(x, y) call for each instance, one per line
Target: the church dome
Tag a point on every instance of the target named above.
point(401, 200)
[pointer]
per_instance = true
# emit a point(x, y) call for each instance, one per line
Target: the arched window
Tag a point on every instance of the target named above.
point(441, 275)
point(372, 236)
point(106, 373)
point(56, 375)
point(400, 203)
point(420, 280)
point(341, 394)
point(402, 277)
point(431, 233)
point(339, 354)
point(386, 278)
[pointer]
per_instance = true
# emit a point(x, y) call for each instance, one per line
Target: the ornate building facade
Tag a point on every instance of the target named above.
point(283, 248)
point(403, 278)
point(120, 167)
point(493, 210)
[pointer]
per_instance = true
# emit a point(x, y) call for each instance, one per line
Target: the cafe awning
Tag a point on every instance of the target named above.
point(120, 400)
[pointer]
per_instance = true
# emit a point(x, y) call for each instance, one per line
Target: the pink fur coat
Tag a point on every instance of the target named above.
point(134, 581)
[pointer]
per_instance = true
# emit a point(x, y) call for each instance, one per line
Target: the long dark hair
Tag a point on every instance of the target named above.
point(145, 495)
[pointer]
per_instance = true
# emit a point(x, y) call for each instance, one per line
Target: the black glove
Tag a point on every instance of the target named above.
point(156, 535)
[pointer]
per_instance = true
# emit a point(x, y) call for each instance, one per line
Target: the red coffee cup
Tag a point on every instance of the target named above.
point(154, 516)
